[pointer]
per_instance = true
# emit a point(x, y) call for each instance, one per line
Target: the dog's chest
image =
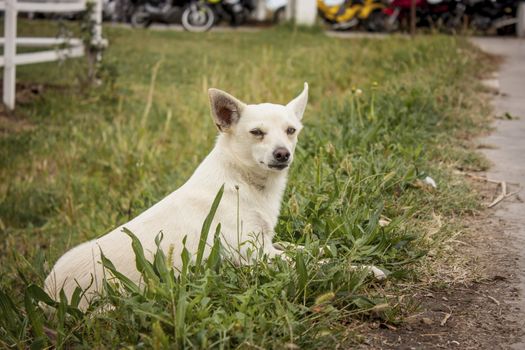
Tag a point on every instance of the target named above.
point(258, 213)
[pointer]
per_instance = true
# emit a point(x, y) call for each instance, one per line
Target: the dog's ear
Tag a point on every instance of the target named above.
point(225, 109)
point(298, 104)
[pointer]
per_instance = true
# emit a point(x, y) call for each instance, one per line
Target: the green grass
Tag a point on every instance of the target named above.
point(92, 159)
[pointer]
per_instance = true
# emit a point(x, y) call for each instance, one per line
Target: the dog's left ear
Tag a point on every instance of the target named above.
point(225, 109)
point(298, 104)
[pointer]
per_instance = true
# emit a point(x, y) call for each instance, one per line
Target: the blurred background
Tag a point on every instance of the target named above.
point(500, 17)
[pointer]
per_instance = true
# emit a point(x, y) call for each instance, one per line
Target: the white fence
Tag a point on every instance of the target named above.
point(73, 47)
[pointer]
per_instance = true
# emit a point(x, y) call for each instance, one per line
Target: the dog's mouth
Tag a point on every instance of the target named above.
point(278, 166)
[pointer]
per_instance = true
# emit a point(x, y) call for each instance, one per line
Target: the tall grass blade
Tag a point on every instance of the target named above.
point(35, 316)
point(206, 227)
point(143, 265)
point(215, 254)
point(128, 284)
point(302, 273)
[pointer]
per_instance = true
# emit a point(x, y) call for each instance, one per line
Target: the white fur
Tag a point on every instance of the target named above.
point(239, 160)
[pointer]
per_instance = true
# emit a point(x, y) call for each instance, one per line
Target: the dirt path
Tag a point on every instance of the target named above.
point(507, 151)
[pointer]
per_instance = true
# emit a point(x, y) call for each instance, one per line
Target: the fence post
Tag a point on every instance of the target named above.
point(412, 18)
point(96, 17)
point(305, 12)
point(290, 10)
point(260, 10)
point(9, 54)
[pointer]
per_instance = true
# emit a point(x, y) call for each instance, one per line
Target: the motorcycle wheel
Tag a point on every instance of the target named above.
point(377, 22)
point(236, 19)
point(140, 18)
point(197, 17)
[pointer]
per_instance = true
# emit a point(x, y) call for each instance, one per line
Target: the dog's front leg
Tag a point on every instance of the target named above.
point(272, 252)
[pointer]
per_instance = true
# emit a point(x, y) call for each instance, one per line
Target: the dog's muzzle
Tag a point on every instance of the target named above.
point(281, 158)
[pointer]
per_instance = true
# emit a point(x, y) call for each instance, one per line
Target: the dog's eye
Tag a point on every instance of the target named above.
point(290, 131)
point(257, 132)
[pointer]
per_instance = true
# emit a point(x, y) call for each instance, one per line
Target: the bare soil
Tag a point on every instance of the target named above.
point(480, 313)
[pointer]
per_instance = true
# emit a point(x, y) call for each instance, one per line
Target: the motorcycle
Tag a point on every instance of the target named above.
point(445, 14)
point(124, 9)
point(109, 10)
point(201, 15)
point(198, 16)
point(157, 11)
point(345, 14)
point(493, 15)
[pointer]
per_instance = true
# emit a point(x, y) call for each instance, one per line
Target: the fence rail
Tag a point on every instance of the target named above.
point(74, 47)
point(47, 7)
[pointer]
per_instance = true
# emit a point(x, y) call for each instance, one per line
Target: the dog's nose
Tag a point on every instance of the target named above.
point(281, 154)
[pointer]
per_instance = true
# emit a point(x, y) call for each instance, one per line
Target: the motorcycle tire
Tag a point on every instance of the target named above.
point(377, 22)
point(140, 18)
point(198, 17)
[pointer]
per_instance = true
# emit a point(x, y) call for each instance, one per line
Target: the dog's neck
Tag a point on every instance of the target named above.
point(252, 179)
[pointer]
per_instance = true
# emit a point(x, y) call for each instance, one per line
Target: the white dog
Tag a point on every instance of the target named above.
point(251, 159)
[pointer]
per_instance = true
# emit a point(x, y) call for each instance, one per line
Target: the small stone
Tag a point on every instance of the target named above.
point(427, 321)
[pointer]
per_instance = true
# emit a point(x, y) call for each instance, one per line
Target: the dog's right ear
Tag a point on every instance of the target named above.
point(225, 109)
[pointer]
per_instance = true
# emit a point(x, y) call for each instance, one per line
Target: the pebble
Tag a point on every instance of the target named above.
point(427, 321)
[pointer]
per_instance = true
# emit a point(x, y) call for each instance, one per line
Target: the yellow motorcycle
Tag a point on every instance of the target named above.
point(346, 14)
